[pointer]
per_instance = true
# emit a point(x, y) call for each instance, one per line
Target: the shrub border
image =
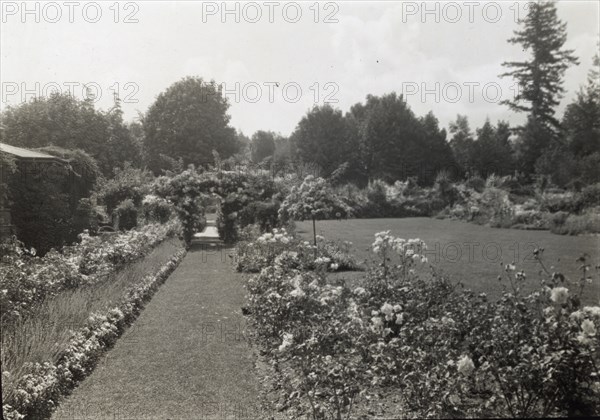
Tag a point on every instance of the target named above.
point(38, 392)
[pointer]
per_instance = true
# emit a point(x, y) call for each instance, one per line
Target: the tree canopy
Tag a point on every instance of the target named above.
point(262, 145)
point(64, 121)
point(321, 137)
point(188, 120)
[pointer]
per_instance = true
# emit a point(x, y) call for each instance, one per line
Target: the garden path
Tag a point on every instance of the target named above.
point(185, 357)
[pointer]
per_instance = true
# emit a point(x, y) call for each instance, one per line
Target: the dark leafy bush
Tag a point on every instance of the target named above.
point(577, 224)
point(83, 171)
point(377, 198)
point(85, 217)
point(403, 199)
point(445, 189)
point(128, 183)
point(45, 198)
point(239, 192)
point(187, 191)
point(589, 196)
point(476, 183)
point(589, 168)
point(156, 209)
point(263, 213)
point(227, 219)
point(127, 214)
point(558, 219)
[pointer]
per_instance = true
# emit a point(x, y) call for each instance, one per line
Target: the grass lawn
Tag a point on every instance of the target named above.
point(470, 253)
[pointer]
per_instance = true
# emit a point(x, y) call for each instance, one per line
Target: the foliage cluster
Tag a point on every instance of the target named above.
point(49, 200)
point(127, 183)
point(66, 122)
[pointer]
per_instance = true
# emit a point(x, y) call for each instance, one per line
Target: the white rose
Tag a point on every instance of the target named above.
point(559, 295)
point(465, 365)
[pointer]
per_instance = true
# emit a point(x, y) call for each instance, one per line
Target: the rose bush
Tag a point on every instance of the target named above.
point(26, 280)
point(187, 194)
point(446, 351)
point(314, 200)
point(319, 368)
point(258, 251)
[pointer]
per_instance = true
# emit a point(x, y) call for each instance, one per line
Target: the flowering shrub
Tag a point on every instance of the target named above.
point(37, 392)
point(26, 280)
point(523, 356)
point(386, 246)
point(127, 183)
point(449, 352)
point(401, 199)
point(313, 199)
point(244, 198)
point(156, 209)
point(265, 214)
point(504, 202)
point(319, 365)
point(187, 194)
point(247, 198)
point(262, 251)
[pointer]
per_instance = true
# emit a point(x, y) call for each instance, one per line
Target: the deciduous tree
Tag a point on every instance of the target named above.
point(322, 138)
point(188, 121)
point(262, 145)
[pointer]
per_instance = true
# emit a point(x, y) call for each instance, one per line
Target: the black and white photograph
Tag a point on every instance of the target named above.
point(299, 210)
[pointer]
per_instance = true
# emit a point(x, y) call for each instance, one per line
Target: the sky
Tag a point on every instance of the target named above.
point(276, 60)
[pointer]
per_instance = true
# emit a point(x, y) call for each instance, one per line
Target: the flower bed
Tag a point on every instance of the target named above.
point(26, 280)
point(444, 351)
point(38, 392)
point(498, 205)
point(260, 251)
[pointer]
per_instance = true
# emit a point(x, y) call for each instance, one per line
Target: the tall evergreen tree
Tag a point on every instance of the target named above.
point(437, 152)
point(504, 148)
point(390, 138)
point(540, 78)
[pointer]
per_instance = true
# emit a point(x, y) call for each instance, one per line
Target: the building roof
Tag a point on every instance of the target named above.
point(26, 153)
